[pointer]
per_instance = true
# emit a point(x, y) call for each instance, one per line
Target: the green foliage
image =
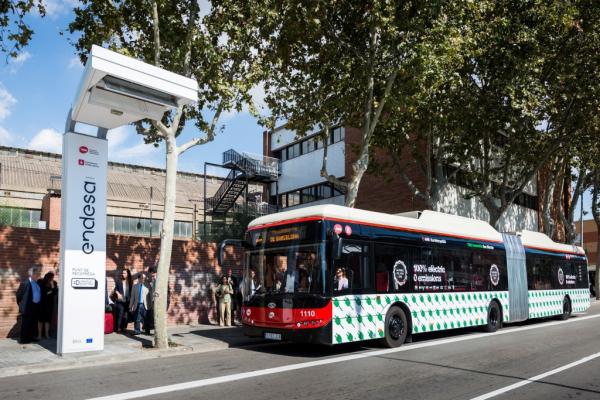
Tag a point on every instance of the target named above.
point(517, 85)
point(232, 227)
point(191, 43)
point(341, 62)
point(15, 32)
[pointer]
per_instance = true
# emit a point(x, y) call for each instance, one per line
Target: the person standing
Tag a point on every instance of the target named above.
point(120, 297)
point(248, 286)
point(139, 303)
point(149, 320)
point(236, 305)
point(49, 291)
point(224, 292)
point(29, 297)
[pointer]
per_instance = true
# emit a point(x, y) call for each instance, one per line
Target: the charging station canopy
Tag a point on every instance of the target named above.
point(117, 90)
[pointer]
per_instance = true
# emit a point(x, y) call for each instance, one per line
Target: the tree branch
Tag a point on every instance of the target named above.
point(190, 37)
point(388, 88)
point(324, 173)
point(161, 129)
point(156, 33)
point(411, 185)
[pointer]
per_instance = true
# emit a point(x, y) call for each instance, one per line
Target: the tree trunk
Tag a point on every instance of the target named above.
point(360, 167)
point(161, 336)
point(548, 200)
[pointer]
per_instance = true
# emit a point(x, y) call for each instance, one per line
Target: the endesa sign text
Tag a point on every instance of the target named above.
point(82, 244)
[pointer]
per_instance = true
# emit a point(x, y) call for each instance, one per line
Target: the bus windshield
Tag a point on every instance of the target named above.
point(289, 269)
point(284, 259)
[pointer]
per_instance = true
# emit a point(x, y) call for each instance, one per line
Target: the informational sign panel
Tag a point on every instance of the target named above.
point(82, 244)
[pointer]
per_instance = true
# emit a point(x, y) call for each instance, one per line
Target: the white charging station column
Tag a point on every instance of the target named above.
point(82, 244)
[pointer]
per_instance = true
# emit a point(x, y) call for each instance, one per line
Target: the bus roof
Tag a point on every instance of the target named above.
point(427, 221)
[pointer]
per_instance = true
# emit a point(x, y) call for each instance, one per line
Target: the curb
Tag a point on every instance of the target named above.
point(102, 360)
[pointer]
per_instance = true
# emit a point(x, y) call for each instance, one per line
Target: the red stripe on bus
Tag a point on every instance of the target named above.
point(287, 318)
point(553, 250)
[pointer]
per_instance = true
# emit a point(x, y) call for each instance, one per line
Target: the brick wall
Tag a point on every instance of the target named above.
point(384, 190)
point(51, 211)
point(194, 270)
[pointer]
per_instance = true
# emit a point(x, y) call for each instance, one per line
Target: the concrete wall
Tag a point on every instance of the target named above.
point(305, 170)
point(194, 270)
point(516, 218)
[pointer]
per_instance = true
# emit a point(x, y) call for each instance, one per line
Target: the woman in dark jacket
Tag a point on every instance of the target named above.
point(49, 291)
point(121, 296)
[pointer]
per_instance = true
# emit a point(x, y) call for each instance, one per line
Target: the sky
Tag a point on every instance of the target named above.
point(38, 87)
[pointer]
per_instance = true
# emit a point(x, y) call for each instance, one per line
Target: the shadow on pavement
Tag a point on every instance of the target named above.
point(147, 341)
point(318, 351)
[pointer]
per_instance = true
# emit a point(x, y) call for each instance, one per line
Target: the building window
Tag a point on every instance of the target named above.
point(20, 217)
point(144, 226)
point(182, 229)
point(309, 145)
point(308, 194)
point(293, 198)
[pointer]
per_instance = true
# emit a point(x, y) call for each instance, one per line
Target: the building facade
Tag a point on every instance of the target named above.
point(30, 183)
point(300, 183)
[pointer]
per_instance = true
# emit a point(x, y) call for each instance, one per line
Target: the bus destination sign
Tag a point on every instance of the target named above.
point(286, 234)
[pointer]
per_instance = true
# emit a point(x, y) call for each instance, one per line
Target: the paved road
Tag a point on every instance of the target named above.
point(464, 364)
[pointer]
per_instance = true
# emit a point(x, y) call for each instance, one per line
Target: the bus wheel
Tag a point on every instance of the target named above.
point(566, 309)
point(494, 321)
point(396, 327)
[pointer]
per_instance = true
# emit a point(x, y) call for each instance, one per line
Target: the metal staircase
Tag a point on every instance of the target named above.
point(245, 169)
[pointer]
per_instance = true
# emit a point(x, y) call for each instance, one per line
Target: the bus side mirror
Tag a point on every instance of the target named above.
point(336, 246)
point(229, 242)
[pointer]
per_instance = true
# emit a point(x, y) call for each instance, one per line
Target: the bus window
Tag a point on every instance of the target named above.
point(489, 271)
point(355, 267)
point(452, 268)
point(392, 268)
point(539, 272)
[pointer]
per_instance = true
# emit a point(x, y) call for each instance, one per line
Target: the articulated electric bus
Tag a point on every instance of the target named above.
point(330, 274)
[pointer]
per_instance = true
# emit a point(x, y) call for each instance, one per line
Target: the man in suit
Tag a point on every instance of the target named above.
point(138, 303)
point(149, 320)
point(29, 296)
point(121, 296)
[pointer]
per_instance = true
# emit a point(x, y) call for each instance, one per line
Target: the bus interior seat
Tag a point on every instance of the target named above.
point(382, 281)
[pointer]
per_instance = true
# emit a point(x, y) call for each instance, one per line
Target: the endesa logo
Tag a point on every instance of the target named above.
point(83, 149)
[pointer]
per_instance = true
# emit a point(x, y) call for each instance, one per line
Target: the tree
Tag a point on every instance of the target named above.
point(510, 124)
point(574, 101)
point(418, 131)
point(15, 32)
point(174, 35)
point(339, 63)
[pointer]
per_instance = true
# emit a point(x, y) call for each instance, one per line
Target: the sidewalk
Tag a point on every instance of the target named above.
point(18, 359)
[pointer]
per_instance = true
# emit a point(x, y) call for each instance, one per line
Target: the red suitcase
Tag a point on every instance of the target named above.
point(108, 323)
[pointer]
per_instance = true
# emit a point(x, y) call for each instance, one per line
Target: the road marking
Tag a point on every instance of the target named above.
point(334, 360)
point(535, 378)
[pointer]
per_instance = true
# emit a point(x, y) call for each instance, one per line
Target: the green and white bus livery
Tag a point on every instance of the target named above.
point(331, 274)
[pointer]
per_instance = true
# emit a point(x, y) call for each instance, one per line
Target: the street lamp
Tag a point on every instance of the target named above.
point(115, 90)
